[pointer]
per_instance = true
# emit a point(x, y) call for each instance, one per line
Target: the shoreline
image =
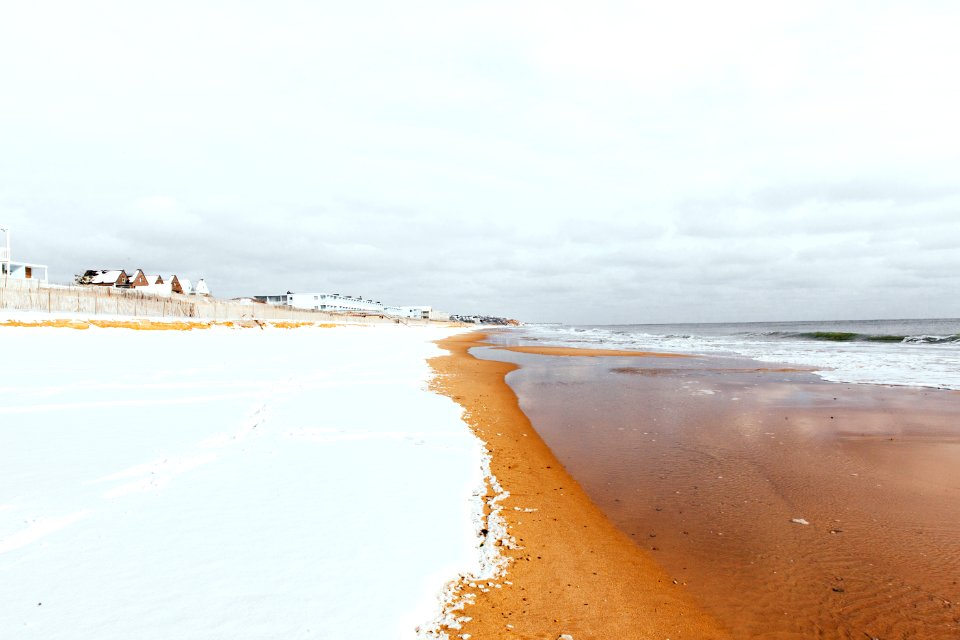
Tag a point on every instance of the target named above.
point(788, 505)
point(571, 570)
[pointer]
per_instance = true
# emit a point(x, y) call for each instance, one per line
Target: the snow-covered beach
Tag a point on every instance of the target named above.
point(229, 483)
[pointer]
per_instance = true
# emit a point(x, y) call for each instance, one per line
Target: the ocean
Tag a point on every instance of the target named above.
point(916, 353)
point(786, 505)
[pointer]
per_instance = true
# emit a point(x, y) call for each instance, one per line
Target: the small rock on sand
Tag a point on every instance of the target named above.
point(799, 521)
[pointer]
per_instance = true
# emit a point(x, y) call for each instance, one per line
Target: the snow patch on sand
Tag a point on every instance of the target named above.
point(236, 484)
point(492, 536)
point(37, 528)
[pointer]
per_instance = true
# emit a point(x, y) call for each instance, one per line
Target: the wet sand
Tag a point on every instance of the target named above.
point(712, 466)
point(573, 572)
point(591, 353)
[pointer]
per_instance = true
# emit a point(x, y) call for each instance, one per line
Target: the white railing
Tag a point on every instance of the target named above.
point(4, 254)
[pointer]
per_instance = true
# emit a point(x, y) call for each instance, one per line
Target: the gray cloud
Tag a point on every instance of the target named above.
point(467, 157)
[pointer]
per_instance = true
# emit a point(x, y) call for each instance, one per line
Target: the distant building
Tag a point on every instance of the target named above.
point(349, 304)
point(19, 270)
point(419, 313)
point(153, 284)
point(24, 270)
point(105, 278)
point(201, 288)
point(156, 285)
point(323, 302)
point(276, 301)
point(481, 319)
point(138, 279)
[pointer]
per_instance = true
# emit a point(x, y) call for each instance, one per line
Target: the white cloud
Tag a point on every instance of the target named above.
point(675, 161)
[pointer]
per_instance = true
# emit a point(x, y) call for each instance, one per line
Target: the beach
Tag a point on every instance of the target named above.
point(571, 571)
point(770, 501)
point(194, 479)
point(214, 481)
point(479, 321)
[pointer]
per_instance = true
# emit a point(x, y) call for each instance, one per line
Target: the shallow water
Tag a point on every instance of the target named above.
point(922, 353)
point(706, 463)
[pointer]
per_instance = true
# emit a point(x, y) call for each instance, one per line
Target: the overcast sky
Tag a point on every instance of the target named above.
point(592, 162)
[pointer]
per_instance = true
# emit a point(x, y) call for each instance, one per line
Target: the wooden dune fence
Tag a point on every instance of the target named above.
point(120, 302)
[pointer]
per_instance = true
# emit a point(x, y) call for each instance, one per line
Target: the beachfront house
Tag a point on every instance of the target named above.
point(275, 301)
point(350, 304)
point(418, 313)
point(153, 284)
point(201, 288)
point(156, 286)
point(138, 279)
point(11, 270)
point(324, 302)
point(105, 278)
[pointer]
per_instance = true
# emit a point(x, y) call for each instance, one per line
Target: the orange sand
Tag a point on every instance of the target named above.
point(573, 572)
point(709, 464)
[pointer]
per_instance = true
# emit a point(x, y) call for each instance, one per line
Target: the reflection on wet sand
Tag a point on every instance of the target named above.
point(789, 507)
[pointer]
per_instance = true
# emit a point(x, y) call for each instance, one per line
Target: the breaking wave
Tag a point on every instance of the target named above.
point(847, 336)
point(923, 353)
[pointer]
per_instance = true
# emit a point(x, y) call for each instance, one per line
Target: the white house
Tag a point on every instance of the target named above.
point(156, 286)
point(349, 304)
point(419, 313)
point(19, 270)
point(323, 302)
point(201, 288)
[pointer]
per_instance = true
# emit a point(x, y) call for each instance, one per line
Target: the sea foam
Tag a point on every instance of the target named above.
point(925, 353)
